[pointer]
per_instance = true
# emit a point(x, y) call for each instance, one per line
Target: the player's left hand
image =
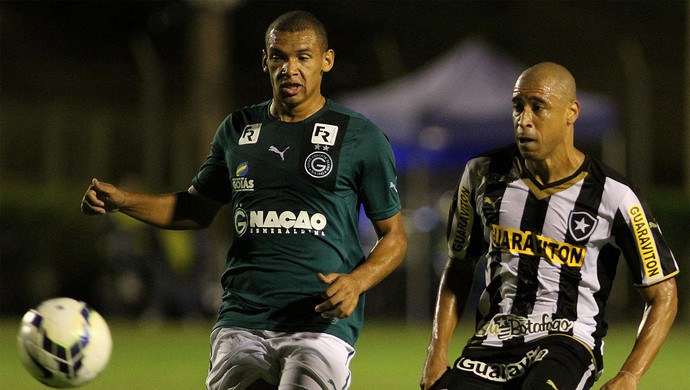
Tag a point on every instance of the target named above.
point(342, 295)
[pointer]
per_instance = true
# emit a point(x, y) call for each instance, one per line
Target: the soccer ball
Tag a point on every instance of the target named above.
point(64, 343)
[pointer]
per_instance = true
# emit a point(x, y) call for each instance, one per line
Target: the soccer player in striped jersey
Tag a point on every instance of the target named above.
point(547, 223)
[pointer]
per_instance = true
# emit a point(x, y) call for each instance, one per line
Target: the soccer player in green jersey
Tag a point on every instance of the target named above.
point(295, 171)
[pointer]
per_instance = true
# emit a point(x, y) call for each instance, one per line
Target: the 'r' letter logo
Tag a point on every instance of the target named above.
point(324, 134)
point(250, 134)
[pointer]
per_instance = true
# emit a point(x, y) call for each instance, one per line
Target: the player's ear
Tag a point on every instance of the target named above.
point(264, 59)
point(573, 112)
point(328, 59)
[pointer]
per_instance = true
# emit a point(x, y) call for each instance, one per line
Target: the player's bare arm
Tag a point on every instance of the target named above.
point(343, 291)
point(182, 210)
point(661, 306)
point(454, 289)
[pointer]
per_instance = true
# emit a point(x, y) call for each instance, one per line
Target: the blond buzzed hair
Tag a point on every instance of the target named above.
point(555, 76)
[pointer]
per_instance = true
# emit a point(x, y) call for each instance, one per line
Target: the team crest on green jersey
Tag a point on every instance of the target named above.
point(318, 164)
point(320, 149)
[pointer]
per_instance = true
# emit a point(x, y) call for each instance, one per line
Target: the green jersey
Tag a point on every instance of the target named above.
point(296, 190)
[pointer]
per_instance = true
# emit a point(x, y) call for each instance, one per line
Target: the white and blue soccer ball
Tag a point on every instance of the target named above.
point(64, 343)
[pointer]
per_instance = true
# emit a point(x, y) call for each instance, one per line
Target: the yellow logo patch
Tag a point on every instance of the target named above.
point(532, 244)
point(462, 228)
point(645, 242)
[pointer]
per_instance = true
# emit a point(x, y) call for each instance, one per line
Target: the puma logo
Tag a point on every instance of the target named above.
point(275, 150)
point(491, 202)
point(550, 383)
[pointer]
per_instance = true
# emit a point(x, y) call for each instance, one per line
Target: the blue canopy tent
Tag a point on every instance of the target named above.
point(459, 105)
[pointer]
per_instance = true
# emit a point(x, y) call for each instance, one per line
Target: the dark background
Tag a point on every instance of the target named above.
point(81, 52)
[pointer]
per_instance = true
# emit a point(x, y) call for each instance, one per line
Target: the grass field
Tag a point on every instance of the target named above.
point(389, 356)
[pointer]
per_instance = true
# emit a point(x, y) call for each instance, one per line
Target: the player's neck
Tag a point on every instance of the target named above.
point(298, 112)
point(553, 169)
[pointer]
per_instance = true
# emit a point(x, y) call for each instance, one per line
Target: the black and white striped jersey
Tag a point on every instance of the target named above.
point(550, 251)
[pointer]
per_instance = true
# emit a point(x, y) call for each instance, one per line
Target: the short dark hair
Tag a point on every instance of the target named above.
point(295, 21)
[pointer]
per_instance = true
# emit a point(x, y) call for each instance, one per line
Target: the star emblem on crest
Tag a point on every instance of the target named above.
point(581, 225)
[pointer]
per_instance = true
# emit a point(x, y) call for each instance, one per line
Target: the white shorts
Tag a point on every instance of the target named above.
point(288, 361)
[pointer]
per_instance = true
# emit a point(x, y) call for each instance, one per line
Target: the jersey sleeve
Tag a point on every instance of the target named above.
point(213, 178)
point(644, 248)
point(464, 230)
point(378, 190)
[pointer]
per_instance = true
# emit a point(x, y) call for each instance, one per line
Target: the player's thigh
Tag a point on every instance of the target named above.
point(239, 359)
point(454, 379)
point(315, 361)
point(566, 366)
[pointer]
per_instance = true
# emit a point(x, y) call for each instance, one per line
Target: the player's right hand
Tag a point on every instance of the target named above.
point(433, 371)
point(101, 198)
